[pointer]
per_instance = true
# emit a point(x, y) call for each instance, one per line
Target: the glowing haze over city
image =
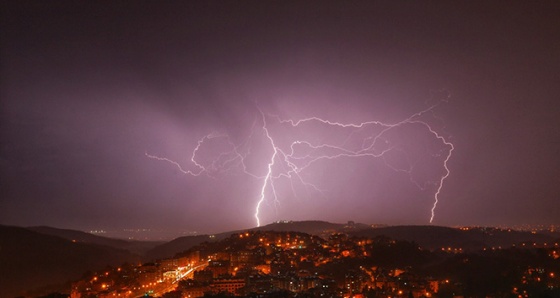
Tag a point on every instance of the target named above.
point(212, 116)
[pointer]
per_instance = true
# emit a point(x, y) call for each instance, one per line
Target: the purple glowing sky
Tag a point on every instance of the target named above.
point(293, 157)
point(88, 88)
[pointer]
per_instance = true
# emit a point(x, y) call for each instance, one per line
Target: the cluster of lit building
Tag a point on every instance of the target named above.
point(519, 228)
point(133, 280)
point(256, 262)
point(536, 277)
point(265, 263)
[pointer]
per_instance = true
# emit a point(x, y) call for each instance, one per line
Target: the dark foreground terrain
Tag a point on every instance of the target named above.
point(310, 258)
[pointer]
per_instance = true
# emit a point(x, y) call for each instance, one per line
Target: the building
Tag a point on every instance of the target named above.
point(228, 285)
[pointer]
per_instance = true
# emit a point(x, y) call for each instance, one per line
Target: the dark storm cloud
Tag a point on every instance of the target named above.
point(88, 88)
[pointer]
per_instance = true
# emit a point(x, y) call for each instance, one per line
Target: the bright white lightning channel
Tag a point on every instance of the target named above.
point(232, 157)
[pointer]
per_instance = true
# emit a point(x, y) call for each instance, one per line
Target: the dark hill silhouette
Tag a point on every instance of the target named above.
point(30, 260)
point(138, 247)
point(40, 256)
point(313, 227)
point(435, 237)
point(169, 249)
point(429, 237)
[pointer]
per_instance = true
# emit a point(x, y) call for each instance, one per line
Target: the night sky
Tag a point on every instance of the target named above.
point(89, 89)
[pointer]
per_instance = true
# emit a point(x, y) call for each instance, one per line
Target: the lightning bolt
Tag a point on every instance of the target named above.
point(267, 178)
point(292, 162)
point(447, 172)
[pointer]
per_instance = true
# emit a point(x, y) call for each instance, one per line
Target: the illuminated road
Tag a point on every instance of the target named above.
point(190, 271)
point(168, 287)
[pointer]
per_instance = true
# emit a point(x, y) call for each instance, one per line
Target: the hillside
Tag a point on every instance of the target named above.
point(313, 227)
point(429, 237)
point(169, 249)
point(435, 237)
point(308, 226)
point(30, 260)
point(40, 256)
point(134, 246)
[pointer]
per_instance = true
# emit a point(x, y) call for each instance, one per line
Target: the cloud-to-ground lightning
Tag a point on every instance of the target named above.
point(298, 153)
point(268, 176)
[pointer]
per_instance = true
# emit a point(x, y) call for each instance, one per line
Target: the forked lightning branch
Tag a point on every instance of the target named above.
point(291, 161)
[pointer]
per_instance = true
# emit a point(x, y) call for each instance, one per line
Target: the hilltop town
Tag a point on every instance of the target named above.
point(286, 264)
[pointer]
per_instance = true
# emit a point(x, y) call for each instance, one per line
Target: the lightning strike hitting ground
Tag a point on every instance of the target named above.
point(300, 154)
point(267, 179)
